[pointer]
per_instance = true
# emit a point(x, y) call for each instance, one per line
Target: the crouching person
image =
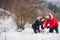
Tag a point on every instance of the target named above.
point(50, 19)
point(37, 23)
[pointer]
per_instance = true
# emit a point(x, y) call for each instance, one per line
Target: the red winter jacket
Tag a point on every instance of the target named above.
point(53, 23)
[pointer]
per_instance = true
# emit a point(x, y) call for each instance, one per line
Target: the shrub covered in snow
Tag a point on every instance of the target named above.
point(6, 21)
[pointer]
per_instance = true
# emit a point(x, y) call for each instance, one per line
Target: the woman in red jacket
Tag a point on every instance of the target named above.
point(50, 19)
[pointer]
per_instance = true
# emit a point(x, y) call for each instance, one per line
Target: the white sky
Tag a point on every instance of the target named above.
point(52, 0)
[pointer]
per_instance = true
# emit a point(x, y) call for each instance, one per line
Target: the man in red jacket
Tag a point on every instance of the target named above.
point(50, 19)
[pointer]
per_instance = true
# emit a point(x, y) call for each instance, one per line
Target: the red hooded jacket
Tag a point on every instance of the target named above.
point(53, 23)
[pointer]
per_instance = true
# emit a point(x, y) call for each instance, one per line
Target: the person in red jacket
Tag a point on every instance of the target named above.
point(52, 21)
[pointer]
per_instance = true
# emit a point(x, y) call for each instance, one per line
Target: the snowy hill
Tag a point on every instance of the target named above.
point(6, 24)
point(8, 32)
point(27, 33)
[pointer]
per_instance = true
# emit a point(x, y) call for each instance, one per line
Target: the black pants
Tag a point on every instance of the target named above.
point(36, 27)
point(55, 28)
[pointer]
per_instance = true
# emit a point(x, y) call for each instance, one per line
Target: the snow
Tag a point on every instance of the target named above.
point(8, 32)
point(6, 25)
point(26, 34)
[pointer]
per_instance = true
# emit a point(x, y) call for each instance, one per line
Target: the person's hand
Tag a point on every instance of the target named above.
point(47, 27)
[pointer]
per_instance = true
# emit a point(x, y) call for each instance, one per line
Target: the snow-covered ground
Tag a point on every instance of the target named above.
point(8, 32)
point(26, 34)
